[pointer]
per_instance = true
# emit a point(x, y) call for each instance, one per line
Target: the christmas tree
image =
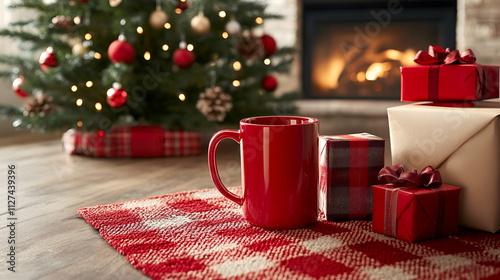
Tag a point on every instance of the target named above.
point(182, 64)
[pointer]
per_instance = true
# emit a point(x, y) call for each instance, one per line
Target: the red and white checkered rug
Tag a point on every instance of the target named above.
point(201, 235)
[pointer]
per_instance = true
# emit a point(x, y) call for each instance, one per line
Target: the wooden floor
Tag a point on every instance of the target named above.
point(52, 241)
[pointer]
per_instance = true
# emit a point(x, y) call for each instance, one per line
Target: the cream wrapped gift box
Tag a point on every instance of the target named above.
point(463, 142)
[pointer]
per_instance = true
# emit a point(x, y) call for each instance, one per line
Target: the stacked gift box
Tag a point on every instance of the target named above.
point(452, 136)
point(457, 133)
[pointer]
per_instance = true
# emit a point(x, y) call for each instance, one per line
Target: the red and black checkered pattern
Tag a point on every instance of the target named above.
point(349, 165)
point(135, 141)
point(202, 235)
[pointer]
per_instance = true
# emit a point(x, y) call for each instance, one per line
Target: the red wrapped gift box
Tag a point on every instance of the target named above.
point(349, 165)
point(134, 141)
point(413, 213)
point(447, 75)
point(449, 82)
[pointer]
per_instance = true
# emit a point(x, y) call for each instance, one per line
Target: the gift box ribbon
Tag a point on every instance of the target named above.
point(395, 177)
point(437, 56)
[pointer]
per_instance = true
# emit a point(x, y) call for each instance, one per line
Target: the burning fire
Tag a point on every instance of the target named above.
point(330, 75)
point(377, 70)
point(381, 69)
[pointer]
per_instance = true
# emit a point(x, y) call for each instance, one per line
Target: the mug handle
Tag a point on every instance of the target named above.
point(212, 162)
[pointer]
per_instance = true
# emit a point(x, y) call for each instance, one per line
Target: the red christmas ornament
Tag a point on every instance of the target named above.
point(48, 59)
point(269, 44)
point(269, 83)
point(16, 86)
point(116, 96)
point(183, 58)
point(183, 4)
point(121, 51)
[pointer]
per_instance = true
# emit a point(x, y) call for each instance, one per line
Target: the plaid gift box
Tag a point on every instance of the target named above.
point(349, 165)
point(134, 141)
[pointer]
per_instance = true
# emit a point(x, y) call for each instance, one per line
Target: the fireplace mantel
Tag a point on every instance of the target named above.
point(346, 108)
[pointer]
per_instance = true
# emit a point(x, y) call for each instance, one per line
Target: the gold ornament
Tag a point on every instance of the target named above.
point(200, 24)
point(158, 18)
point(214, 103)
point(114, 3)
point(79, 49)
point(233, 27)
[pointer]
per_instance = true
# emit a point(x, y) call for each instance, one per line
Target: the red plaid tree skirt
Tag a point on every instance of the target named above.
point(135, 141)
point(201, 235)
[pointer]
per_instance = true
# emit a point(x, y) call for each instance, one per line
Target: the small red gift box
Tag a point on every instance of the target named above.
point(134, 141)
point(435, 81)
point(415, 209)
point(349, 165)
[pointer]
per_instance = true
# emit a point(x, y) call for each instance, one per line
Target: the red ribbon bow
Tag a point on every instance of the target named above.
point(428, 177)
point(437, 55)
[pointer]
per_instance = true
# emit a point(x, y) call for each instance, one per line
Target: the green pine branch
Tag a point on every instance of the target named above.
point(23, 23)
point(17, 61)
point(30, 4)
point(21, 35)
point(10, 111)
point(5, 74)
point(36, 41)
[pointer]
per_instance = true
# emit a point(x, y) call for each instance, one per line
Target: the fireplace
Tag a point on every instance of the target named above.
point(353, 49)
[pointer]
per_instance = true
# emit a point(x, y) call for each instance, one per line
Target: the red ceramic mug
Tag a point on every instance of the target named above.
point(279, 170)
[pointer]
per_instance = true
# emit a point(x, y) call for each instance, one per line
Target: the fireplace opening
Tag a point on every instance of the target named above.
point(353, 50)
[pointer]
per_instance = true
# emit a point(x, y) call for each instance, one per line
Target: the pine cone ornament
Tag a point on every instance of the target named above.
point(63, 22)
point(41, 104)
point(249, 46)
point(214, 103)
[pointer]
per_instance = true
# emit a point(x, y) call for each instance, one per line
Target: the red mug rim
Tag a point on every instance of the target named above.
point(267, 121)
